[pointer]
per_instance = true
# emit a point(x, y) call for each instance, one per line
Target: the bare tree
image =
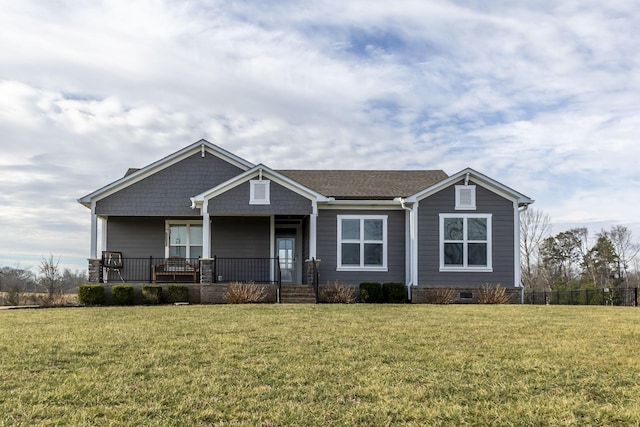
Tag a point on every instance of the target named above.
point(534, 228)
point(15, 282)
point(624, 246)
point(51, 280)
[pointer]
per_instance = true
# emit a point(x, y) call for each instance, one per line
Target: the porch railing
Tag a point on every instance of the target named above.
point(315, 278)
point(257, 270)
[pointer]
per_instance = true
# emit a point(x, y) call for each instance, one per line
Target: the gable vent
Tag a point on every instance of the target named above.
point(259, 192)
point(465, 197)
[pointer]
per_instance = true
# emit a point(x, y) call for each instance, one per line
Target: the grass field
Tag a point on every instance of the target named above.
point(345, 365)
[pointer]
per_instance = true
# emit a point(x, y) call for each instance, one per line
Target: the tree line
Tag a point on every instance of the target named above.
point(19, 285)
point(573, 259)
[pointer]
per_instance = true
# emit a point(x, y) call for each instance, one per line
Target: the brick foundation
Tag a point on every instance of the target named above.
point(461, 295)
point(213, 293)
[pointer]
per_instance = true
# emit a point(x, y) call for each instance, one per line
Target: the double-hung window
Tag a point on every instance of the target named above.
point(465, 242)
point(184, 239)
point(362, 242)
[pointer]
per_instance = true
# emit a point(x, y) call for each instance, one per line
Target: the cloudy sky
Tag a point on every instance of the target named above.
point(543, 96)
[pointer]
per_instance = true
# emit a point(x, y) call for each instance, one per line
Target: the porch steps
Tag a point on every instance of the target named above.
point(297, 294)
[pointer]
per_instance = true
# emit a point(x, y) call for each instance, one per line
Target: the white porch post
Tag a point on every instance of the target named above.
point(414, 244)
point(313, 221)
point(206, 231)
point(94, 232)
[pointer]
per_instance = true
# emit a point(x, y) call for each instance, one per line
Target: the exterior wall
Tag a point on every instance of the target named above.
point(487, 202)
point(327, 235)
point(283, 202)
point(168, 191)
point(240, 237)
point(214, 293)
point(428, 295)
point(136, 237)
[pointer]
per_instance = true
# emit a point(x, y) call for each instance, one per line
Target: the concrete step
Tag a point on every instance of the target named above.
point(297, 294)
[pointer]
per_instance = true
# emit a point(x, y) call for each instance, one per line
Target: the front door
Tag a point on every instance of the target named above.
point(287, 256)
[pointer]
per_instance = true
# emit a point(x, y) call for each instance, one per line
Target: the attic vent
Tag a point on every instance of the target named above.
point(465, 197)
point(259, 192)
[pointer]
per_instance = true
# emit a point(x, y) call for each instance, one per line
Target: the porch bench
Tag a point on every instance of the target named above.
point(174, 267)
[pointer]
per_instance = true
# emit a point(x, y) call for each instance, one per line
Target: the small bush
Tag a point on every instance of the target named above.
point(394, 293)
point(122, 295)
point(442, 296)
point(244, 293)
point(177, 293)
point(91, 294)
point(371, 292)
point(337, 293)
point(151, 294)
point(492, 295)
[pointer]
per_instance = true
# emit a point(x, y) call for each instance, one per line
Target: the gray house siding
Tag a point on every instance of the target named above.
point(327, 235)
point(136, 237)
point(487, 202)
point(168, 191)
point(240, 237)
point(282, 202)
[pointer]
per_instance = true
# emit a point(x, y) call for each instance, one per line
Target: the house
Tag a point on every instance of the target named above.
point(237, 221)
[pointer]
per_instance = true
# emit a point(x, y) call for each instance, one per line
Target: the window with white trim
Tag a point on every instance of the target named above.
point(259, 192)
point(465, 242)
point(465, 197)
point(362, 242)
point(184, 239)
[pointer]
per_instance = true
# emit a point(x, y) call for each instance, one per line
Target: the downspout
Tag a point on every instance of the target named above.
point(411, 243)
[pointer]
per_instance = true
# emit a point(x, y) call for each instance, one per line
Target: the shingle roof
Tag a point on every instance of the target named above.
point(366, 184)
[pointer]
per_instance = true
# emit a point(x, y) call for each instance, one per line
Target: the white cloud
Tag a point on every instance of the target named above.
point(544, 97)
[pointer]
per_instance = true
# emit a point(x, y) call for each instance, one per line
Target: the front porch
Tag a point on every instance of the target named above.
point(211, 276)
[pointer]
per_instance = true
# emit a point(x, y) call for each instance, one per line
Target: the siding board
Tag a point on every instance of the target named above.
point(327, 246)
point(487, 202)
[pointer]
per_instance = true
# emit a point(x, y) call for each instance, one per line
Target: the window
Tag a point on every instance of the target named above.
point(184, 240)
point(259, 192)
point(465, 197)
point(465, 242)
point(362, 242)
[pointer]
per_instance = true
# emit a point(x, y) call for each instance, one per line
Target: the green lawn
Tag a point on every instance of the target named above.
point(362, 365)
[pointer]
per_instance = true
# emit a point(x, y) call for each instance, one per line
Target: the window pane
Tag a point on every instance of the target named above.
point(178, 235)
point(180, 251)
point(453, 254)
point(477, 253)
point(373, 254)
point(453, 228)
point(372, 229)
point(477, 228)
point(350, 254)
point(195, 235)
point(195, 252)
point(351, 229)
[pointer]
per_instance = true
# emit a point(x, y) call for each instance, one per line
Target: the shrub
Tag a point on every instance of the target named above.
point(337, 293)
point(493, 295)
point(122, 295)
point(151, 294)
point(244, 293)
point(441, 296)
point(91, 294)
point(371, 292)
point(177, 293)
point(394, 292)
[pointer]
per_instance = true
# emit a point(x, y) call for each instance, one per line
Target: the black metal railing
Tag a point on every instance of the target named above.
point(316, 278)
point(256, 270)
point(141, 270)
point(224, 269)
point(607, 296)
